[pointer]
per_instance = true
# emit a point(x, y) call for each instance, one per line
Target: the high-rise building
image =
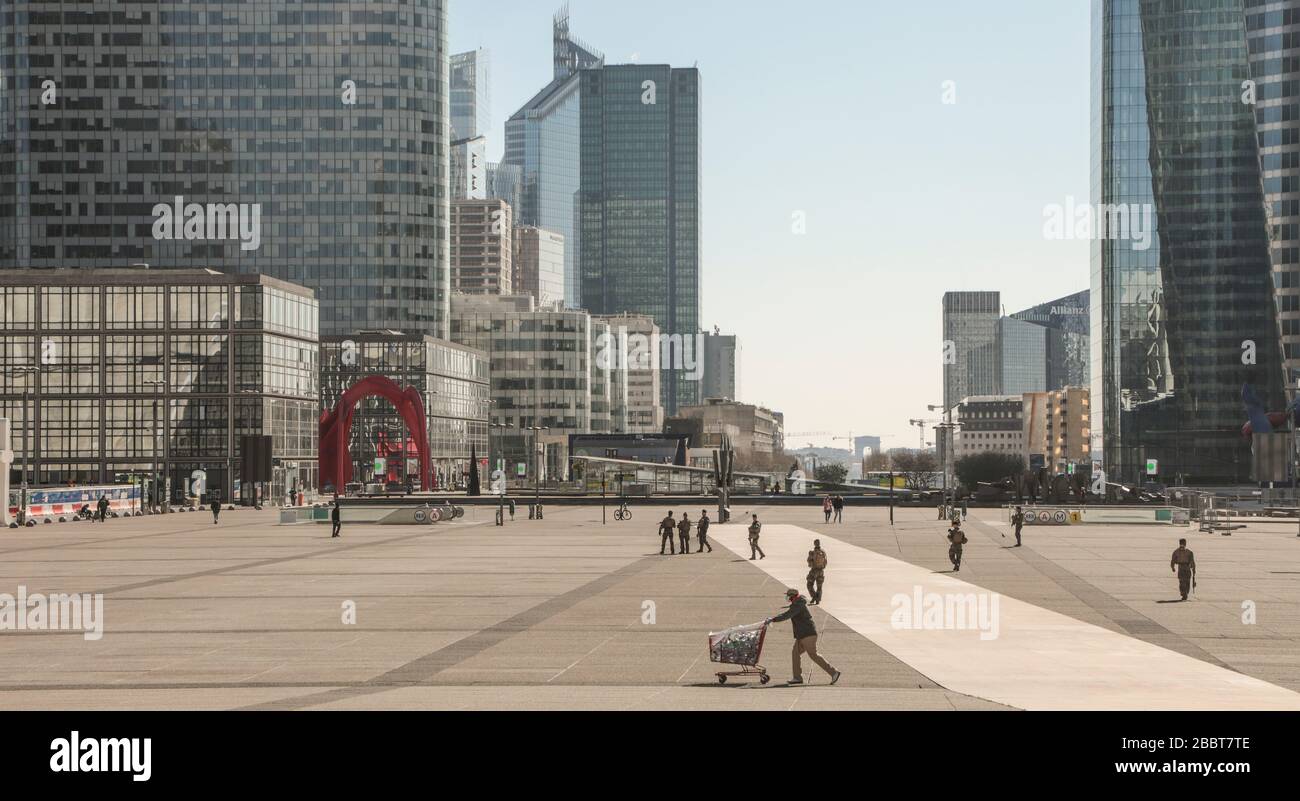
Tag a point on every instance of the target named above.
point(292, 145)
point(1273, 33)
point(972, 356)
point(542, 141)
point(539, 265)
point(640, 203)
point(1057, 429)
point(540, 371)
point(482, 253)
point(471, 94)
point(469, 170)
point(1184, 319)
point(721, 366)
point(506, 182)
point(1066, 335)
point(634, 338)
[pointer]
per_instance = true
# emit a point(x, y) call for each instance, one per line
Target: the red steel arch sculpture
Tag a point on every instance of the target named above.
point(336, 427)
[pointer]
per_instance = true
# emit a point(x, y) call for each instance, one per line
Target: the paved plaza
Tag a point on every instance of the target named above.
point(568, 613)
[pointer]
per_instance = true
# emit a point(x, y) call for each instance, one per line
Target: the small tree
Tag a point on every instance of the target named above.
point(987, 468)
point(917, 468)
point(832, 473)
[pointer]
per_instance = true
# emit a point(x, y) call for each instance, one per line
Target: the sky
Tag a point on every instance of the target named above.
point(835, 111)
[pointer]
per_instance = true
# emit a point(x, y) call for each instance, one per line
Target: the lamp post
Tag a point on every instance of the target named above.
point(945, 437)
point(537, 471)
point(157, 384)
point(28, 414)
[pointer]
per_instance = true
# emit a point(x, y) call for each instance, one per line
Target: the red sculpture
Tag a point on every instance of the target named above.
point(336, 427)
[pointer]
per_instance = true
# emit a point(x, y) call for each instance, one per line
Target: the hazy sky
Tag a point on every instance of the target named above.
point(835, 109)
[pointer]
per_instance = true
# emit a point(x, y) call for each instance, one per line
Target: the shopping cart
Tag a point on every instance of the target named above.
point(743, 647)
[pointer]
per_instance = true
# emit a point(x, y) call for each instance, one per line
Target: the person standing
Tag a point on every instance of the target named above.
point(216, 510)
point(942, 512)
point(957, 541)
point(805, 637)
point(702, 530)
point(684, 533)
point(103, 508)
point(965, 507)
point(755, 529)
point(826, 507)
point(1018, 520)
point(816, 573)
point(838, 503)
point(336, 518)
point(667, 530)
point(1183, 563)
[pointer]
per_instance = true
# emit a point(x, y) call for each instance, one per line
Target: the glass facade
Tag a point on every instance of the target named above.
point(1024, 356)
point(1170, 323)
point(136, 368)
point(640, 203)
point(247, 103)
point(974, 365)
point(453, 383)
point(471, 94)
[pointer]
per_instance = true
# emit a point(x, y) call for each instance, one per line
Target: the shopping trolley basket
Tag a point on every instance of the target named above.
point(743, 647)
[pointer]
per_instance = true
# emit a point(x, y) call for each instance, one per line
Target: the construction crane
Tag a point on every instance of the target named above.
point(921, 424)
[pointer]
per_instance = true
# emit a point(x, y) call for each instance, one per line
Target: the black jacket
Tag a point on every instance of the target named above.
point(797, 613)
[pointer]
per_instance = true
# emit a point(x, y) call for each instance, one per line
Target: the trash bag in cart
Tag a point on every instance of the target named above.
point(742, 645)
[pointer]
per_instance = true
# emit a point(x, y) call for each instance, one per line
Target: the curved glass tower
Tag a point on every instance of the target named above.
point(1176, 324)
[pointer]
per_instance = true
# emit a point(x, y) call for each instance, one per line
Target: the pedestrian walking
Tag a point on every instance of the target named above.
point(684, 533)
point(755, 529)
point(103, 508)
point(965, 508)
point(816, 573)
point(838, 503)
point(510, 504)
point(957, 540)
point(1018, 520)
point(1183, 562)
point(805, 637)
point(702, 531)
point(216, 510)
point(826, 507)
point(942, 511)
point(336, 518)
point(667, 532)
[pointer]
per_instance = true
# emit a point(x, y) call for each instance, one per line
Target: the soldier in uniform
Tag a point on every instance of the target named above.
point(957, 539)
point(1018, 520)
point(684, 533)
point(702, 529)
point(667, 528)
point(1183, 563)
point(816, 573)
point(755, 529)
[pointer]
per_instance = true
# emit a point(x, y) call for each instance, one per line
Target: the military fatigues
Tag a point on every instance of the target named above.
point(957, 538)
point(755, 552)
point(1019, 520)
point(667, 527)
point(702, 529)
point(684, 534)
point(816, 574)
point(1184, 561)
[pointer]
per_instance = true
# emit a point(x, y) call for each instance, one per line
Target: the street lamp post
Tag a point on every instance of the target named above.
point(28, 414)
point(159, 501)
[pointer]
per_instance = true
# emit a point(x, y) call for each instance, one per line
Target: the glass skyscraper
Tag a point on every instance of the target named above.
point(324, 125)
point(973, 356)
point(1175, 325)
point(640, 203)
point(471, 95)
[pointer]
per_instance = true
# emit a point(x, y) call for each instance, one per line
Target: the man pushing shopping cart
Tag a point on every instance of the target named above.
point(743, 645)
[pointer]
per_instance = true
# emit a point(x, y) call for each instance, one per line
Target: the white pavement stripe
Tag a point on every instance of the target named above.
point(1039, 659)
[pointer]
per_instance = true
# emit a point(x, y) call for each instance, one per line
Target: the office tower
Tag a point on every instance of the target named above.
point(1273, 32)
point(1057, 429)
point(471, 94)
point(540, 371)
point(506, 181)
point(636, 340)
point(1180, 325)
point(482, 253)
point(469, 170)
point(640, 203)
point(1023, 355)
point(988, 423)
point(539, 266)
point(608, 381)
point(160, 372)
point(332, 153)
point(721, 366)
point(542, 141)
point(1066, 333)
point(972, 355)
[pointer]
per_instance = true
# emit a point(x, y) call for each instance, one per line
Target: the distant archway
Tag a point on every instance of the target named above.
point(336, 428)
